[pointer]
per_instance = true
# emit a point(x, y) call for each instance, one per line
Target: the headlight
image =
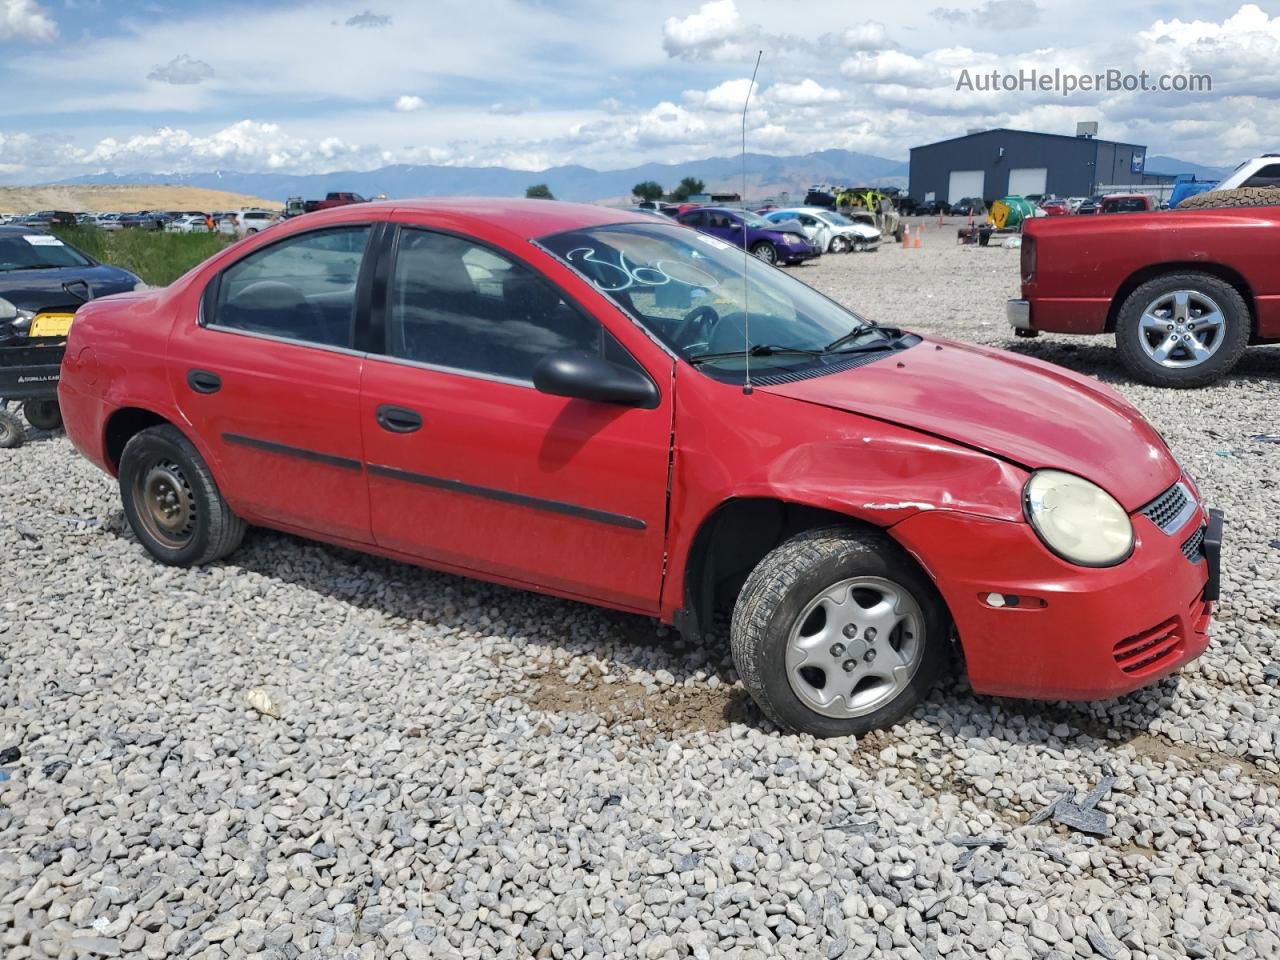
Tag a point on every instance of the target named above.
point(15, 317)
point(1076, 519)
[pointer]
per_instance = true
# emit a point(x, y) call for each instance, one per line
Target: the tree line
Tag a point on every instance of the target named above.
point(649, 190)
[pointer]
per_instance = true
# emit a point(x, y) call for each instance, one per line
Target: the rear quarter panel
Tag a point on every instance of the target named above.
point(1083, 263)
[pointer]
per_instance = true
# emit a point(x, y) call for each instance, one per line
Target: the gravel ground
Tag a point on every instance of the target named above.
point(458, 769)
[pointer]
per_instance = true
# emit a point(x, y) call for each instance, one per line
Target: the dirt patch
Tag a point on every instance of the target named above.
point(1153, 746)
point(671, 709)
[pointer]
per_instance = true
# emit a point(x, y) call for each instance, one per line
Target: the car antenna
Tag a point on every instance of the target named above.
point(746, 255)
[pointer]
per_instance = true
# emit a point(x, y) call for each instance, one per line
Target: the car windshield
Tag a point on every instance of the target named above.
point(38, 251)
point(838, 219)
point(688, 289)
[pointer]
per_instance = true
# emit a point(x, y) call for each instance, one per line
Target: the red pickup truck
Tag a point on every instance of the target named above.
point(339, 199)
point(1183, 291)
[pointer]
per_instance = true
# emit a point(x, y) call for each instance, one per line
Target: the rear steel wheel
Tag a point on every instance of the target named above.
point(168, 505)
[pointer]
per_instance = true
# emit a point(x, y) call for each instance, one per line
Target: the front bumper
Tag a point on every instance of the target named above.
point(1069, 633)
point(1019, 314)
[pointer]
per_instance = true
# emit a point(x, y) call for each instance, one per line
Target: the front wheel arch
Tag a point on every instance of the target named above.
point(731, 541)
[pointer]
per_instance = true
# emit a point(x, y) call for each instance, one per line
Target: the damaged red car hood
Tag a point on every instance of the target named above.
point(1032, 413)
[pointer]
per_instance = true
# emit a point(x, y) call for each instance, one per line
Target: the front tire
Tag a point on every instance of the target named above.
point(43, 414)
point(838, 245)
point(838, 632)
point(764, 250)
point(172, 502)
point(1182, 330)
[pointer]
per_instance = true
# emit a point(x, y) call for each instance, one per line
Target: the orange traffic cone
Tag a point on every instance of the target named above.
point(939, 218)
point(917, 238)
point(906, 239)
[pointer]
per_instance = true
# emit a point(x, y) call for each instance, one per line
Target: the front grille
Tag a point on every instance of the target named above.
point(1171, 509)
point(1191, 548)
point(1147, 651)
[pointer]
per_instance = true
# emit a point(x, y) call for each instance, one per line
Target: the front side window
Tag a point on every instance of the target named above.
point(694, 291)
point(464, 307)
point(302, 288)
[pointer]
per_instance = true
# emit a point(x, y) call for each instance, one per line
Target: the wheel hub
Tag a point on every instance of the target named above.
point(1182, 328)
point(855, 647)
point(167, 507)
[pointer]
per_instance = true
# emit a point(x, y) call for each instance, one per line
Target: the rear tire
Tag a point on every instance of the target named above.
point(773, 633)
point(764, 250)
point(12, 432)
point(43, 414)
point(172, 502)
point(1165, 310)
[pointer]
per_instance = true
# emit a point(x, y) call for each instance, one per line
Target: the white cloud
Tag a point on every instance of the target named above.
point(408, 103)
point(994, 14)
point(728, 97)
point(869, 36)
point(182, 69)
point(806, 93)
point(25, 20)
point(708, 34)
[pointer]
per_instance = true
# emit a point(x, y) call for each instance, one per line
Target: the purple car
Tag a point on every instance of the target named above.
point(771, 242)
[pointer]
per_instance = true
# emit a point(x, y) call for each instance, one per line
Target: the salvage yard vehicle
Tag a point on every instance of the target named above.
point(1184, 292)
point(1127, 203)
point(839, 233)
point(599, 405)
point(766, 240)
point(43, 280)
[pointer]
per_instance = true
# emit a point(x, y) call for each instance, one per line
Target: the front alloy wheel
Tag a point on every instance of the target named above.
point(839, 244)
point(839, 632)
point(765, 251)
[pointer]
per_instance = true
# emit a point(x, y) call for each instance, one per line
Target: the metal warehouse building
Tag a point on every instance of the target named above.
point(995, 163)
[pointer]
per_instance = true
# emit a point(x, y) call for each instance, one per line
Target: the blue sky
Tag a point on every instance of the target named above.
point(128, 87)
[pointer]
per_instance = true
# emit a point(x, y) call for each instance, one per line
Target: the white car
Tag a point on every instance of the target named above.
point(844, 234)
point(1263, 171)
point(252, 221)
point(187, 224)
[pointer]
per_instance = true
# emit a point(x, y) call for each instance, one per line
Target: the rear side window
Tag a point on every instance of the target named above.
point(302, 288)
point(1268, 176)
point(461, 306)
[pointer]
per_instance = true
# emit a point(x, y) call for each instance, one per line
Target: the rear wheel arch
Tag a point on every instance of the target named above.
point(1152, 271)
point(126, 422)
point(731, 541)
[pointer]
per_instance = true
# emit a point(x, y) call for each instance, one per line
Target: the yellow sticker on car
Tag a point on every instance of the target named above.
point(51, 324)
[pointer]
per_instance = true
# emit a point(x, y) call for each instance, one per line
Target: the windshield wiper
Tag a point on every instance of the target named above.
point(757, 350)
point(889, 333)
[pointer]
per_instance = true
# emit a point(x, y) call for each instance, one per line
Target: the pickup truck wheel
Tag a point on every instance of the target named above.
point(172, 502)
point(838, 632)
point(1182, 330)
point(12, 432)
point(43, 414)
point(764, 250)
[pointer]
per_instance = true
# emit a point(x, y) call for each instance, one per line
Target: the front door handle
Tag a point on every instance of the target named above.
point(398, 419)
point(202, 381)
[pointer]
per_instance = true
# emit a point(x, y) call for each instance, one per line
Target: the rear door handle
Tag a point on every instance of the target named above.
point(398, 419)
point(202, 381)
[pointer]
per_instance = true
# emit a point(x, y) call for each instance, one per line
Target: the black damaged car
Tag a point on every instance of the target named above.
point(42, 282)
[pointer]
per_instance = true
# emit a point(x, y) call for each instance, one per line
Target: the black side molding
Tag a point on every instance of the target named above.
point(345, 463)
point(507, 496)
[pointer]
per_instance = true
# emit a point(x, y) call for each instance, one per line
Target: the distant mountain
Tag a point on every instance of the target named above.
point(1173, 165)
point(766, 176)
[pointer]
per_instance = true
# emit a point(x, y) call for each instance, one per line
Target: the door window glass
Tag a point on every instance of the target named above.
point(1268, 176)
point(459, 305)
point(302, 288)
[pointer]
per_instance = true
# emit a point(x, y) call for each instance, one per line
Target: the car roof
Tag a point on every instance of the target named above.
point(527, 219)
point(18, 229)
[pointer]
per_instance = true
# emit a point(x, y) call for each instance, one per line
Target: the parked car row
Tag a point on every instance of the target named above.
point(235, 222)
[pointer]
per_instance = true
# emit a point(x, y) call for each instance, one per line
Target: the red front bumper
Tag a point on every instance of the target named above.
point(1099, 633)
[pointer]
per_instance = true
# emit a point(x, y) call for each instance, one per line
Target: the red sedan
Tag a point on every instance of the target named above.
point(616, 410)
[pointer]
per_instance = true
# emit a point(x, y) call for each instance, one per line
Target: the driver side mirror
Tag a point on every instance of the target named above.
point(585, 376)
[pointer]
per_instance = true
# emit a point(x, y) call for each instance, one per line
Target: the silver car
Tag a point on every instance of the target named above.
point(845, 235)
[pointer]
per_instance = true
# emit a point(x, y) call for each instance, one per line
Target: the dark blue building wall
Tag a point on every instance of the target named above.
point(1074, 164)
